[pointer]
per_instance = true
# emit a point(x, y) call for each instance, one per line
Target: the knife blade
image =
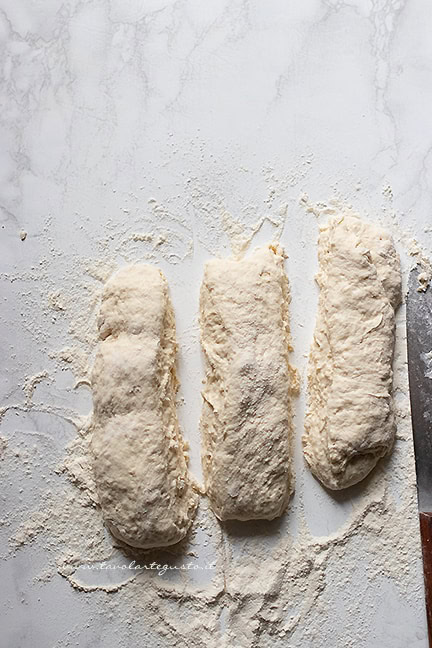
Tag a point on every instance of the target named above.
point(419, 344)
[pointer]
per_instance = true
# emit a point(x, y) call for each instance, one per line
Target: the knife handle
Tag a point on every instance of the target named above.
point(426, 540)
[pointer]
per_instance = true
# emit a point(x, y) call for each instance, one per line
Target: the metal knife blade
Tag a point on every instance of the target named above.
point(419, 341)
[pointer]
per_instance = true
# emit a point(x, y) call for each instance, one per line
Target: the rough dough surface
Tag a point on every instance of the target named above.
point(350, 422)
point(246, 420)
point(140, 466)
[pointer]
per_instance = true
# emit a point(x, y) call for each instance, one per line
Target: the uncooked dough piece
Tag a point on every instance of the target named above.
point(350, 422)
point(140, 465)
point(246, 420)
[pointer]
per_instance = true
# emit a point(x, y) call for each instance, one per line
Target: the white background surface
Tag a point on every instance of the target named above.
point(129, 117)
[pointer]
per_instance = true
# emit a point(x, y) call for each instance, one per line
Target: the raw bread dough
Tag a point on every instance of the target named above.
point(140, 466)
point(350, 422)
point(246, 420)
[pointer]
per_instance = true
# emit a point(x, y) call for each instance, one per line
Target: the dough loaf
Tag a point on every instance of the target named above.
point(139, 465)
point(246, 420)
point(350, 422)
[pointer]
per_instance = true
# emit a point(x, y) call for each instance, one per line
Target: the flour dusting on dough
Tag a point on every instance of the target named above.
point(350, 422)
point(140, 461)
point(246, 420)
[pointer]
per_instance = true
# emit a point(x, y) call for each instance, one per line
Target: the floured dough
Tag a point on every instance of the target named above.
point(139, 461)
point(350, 422)
point(246, 420)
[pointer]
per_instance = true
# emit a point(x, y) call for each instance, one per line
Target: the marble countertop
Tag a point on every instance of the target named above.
point(173, 132)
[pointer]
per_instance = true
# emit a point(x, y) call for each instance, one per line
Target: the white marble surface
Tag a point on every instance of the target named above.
point(136, 116)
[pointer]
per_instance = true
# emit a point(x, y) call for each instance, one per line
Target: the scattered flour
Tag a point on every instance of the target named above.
point(270, 582)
